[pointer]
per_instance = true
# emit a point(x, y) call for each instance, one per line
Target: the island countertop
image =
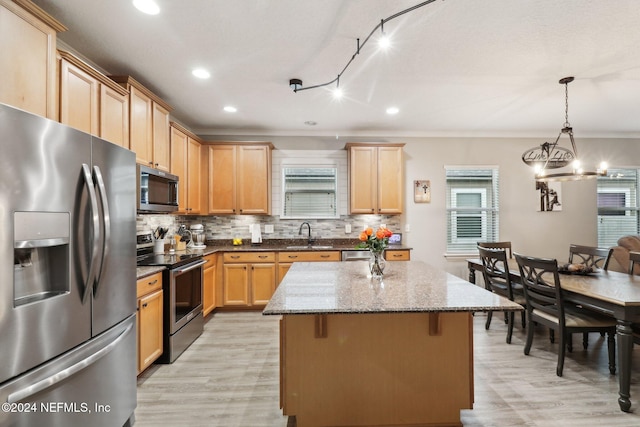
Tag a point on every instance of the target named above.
point(411, 286)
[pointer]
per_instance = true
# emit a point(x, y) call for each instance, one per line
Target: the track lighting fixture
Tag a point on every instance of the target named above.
point(384, 40)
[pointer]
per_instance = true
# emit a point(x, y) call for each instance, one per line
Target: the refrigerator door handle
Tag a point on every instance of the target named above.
point(106, 220)
point(95, 220)
point(54, 379)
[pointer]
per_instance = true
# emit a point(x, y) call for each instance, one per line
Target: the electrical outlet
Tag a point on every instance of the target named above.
point(347, 228)
point(407, 228)
point(268, 229)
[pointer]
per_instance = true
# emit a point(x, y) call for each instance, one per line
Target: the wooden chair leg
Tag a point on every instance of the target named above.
point(561, 348)
point(527, 346)
point(611, 347)
point(585, 340)
point(488, 322)
point(510, 320)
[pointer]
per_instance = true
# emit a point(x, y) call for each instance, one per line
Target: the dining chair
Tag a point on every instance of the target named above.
point(497, 245)
point(634, 257)
point(497, 279)
point(590, 256)
point(545, 306)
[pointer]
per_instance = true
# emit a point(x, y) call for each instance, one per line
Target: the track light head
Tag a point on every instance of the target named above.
point(295, 84)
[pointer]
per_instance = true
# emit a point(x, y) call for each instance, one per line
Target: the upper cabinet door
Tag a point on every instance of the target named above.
point(179, 165)
point(78, 98)
point(376, 178)
point(161, 151)
point(140, 131)
point(254, 179)
point(390, 180)
point(222, 179)
point(114, 116)
point(363, 180)
point(28, 59)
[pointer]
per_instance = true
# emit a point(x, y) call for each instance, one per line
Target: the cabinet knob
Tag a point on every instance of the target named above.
point(153, 282)
point(145, 305)
point(151, 163)
point(262, 256)
point(235, 256)
point(324, 256)
point(293, 256)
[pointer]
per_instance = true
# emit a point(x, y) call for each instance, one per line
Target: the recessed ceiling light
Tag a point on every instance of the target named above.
point(147, 6)
point(392, 110)
point(230, 109)
point(310, 123)
point(201, 73)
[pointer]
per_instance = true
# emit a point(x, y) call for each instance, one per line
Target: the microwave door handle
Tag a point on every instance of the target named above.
point(95, 222)
point(106, 220)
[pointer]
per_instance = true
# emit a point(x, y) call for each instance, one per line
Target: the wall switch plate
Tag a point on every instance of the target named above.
point(407, 228)
point(347, 228)
point(268, 228)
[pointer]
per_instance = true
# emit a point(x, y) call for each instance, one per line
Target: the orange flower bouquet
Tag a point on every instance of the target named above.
point(376, 243)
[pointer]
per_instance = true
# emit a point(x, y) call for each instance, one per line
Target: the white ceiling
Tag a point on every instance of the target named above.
point(456, 67)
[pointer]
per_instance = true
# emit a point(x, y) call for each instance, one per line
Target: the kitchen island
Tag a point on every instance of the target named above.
point(357, 351)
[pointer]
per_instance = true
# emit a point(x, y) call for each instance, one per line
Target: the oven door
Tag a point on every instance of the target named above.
point(185, 294)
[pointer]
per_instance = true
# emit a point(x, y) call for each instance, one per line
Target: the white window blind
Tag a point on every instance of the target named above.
point(309, 192)
point(472, 208)
point(617, 206)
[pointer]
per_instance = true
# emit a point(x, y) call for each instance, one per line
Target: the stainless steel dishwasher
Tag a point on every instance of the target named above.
point(355, 255)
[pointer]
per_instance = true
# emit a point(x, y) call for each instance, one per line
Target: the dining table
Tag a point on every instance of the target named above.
point(609, 292)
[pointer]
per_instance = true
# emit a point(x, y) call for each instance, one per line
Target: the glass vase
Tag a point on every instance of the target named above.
point(377, 264)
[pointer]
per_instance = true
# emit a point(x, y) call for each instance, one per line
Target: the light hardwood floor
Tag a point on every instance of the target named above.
point(229, 378)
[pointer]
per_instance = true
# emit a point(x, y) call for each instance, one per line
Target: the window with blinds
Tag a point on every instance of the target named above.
point(309, 192)
point(472, 208)
point(617, 206)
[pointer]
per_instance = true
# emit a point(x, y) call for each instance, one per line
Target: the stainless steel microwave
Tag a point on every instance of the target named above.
point(157, 190)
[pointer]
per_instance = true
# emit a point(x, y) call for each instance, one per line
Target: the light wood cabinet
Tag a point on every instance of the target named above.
point(376, 178)
point(249, 278)
point(239, 178)
point(148, 124)
point(28, 60)
point(149, 320)
point(286, 259)
point(209, 286)
point(397, 255)
point(186, 164)
point(91, 102)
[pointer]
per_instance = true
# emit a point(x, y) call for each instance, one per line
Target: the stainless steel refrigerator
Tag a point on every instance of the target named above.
point(67, 276)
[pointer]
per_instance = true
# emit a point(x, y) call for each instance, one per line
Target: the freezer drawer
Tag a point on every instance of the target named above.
point(91, 385)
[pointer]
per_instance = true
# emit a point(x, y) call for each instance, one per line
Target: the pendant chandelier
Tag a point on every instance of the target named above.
point(551, 156)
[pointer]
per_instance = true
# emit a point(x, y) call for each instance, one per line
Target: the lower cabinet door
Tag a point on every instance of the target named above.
point(263, 280)
point(150, 329)
point(236, 284)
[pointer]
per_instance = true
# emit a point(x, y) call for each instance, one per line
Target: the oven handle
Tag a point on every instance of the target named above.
point(190, 267)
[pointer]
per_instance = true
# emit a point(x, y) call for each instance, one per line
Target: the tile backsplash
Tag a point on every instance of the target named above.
point(230, 226)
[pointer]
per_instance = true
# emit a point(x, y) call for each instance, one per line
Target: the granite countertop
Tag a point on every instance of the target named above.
point(270, 245)
point(411, 286)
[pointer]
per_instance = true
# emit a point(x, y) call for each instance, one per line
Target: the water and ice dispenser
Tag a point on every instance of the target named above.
point(40, 255)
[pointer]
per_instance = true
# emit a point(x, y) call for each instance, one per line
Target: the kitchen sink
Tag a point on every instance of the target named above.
point(311, 247)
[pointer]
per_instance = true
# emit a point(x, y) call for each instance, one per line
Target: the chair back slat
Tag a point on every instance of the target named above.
point(590, 256)
point(634, 257)
point(497, 245)
point(496, 271)
point(541, 284)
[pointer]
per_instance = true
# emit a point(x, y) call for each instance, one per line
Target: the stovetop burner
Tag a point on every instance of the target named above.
point(146, 257)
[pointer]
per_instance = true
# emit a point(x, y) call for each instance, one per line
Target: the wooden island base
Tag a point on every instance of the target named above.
point(377, 369)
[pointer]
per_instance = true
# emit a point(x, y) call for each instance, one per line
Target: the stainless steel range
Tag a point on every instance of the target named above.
point(182, 286)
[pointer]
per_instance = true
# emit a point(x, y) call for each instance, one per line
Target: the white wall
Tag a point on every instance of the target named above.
point(531, 232)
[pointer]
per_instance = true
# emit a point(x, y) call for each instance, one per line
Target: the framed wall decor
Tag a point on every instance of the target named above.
point(422, 191)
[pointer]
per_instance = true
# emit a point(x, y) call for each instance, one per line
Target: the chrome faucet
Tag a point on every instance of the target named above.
point(309, 241)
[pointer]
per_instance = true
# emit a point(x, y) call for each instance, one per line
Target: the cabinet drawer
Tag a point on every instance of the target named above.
point(309, 256)
point(211, 260)
point(149, 284)
point(231, 257)
point(397, 255)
